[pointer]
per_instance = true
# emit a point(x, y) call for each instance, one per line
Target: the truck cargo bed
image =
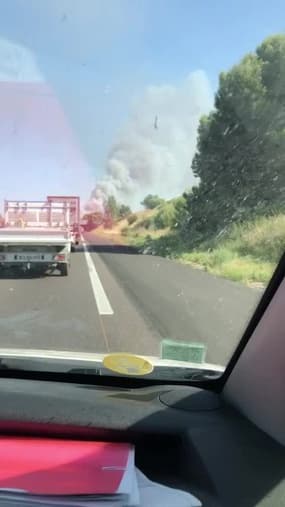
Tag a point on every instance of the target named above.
point(33, 236)
point(35, 249)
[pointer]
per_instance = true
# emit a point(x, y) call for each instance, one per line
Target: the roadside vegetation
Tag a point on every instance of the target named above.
point(232, 222)
point(246, 253)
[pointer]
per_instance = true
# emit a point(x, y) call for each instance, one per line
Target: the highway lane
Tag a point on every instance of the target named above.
point(52, 312)
point(60, 313)
point(149, 298)
point(178, 301)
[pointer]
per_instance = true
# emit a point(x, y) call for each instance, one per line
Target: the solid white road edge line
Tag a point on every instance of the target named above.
point(102, 302)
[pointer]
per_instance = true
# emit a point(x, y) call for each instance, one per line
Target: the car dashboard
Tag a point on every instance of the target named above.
point(184, 437)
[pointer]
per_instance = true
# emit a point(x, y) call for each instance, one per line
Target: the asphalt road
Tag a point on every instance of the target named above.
point(117, 300)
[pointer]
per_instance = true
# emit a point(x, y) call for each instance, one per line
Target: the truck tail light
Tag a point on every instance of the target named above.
point(59, 257)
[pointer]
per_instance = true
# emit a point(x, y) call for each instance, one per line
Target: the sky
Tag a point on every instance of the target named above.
point(106, 96)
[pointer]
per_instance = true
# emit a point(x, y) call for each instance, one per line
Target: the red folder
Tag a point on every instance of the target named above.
point(44, 466)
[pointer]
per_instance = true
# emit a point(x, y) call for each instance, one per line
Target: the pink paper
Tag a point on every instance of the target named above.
point(62, 467)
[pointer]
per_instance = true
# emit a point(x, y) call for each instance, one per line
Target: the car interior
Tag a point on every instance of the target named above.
point(221, 439)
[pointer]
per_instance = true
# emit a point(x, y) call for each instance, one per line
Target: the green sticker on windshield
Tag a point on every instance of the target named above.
point(183, 351)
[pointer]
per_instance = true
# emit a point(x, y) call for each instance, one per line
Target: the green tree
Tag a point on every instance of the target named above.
point(272, 55)
point(152, 201)
point(239, 160)
point(124, 211)
point(132, 218)
point(112, 207)
point(180, 221)
point(165, 216)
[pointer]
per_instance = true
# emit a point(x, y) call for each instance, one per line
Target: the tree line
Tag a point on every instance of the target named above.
point(240, 159)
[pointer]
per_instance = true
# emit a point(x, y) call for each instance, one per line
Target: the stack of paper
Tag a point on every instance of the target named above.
point(60, 473)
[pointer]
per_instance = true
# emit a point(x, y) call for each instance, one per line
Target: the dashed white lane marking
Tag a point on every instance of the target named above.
point(102, 301)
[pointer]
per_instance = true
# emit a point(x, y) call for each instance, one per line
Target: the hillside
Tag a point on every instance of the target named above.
point(247, 253)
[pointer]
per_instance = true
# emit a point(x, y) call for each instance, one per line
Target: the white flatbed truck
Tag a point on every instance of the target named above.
point(41, 251)
point(36, 236)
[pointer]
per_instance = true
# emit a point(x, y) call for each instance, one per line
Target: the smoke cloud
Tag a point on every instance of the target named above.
point(154, 150)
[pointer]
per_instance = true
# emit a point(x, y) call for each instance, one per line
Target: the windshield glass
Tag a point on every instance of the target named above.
point(142, 177)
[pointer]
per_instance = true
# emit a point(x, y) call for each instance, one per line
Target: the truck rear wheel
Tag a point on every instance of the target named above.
point(64, 269)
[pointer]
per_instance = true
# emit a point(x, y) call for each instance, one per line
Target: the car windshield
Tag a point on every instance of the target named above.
point(142, 179)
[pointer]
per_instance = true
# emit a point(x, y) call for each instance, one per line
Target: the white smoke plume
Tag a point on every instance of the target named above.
point(154, 150)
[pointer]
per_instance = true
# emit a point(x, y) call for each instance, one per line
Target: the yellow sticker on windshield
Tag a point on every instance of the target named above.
point(127, 364)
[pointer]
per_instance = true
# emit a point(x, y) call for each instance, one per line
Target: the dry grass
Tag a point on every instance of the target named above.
point(263, 239)
point(228, 264)
point(248, 254)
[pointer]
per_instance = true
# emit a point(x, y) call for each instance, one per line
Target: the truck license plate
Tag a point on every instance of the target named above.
point(29, 257)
